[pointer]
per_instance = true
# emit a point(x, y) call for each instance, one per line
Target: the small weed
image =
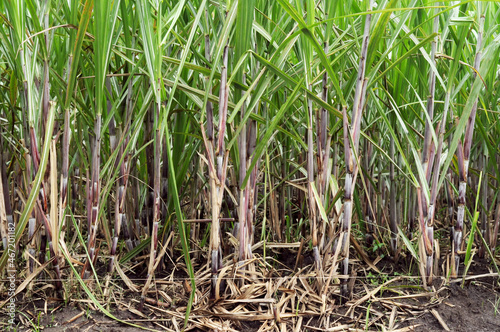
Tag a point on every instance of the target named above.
point(496, 305)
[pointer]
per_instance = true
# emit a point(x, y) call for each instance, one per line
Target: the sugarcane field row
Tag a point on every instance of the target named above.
point(202, 165)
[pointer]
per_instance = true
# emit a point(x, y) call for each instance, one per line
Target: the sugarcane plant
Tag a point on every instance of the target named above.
point(105, 15)
point(352, 135)
point(152, 48)
point(217, 158)
point(426, 203)
point(464, 150)
point(246, 140)
point(253, 119)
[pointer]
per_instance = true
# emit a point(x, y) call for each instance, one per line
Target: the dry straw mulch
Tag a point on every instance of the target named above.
point(262, 294)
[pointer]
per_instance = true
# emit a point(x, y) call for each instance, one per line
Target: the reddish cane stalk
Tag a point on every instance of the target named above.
point(485, 229)
point(313, 210)
point(217, 159)
point(156, 204)
point(218, 178)
point(463, 154)
point(94, 195)
point(246, 145)
point(3, 208)
point(354, 135)
point(427, 163)
point(120, 216)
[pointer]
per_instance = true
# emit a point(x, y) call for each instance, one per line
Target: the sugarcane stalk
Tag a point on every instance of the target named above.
point(450, 201)
point(463, 155)
point(112, 125)
point(278, 221)
point(49, 234)
point(428, 154)
point(46, 84)
point(137, 212)
point(350, 148)
point(88, 186)
point(247, 142)
point(217, 159)
point(163, 178)
point(156, 200)
point(43, 238)
point(26, 100)
point(494, 237)
point(485, 229)
point(426, 150)
point(209, 141)
point(336, 211)
point(277, 226)
point(49, 221)
point(150, 151)
point(323, 150)
point(310, 178)
point(42, 199)
point(429, 226)
point(127, 226)
point(120, 216)
point(346, 222)
point(31, 245)
point(209, 108)
point(218, 176)
point(323, 112)
point(252, 195)
point(5, 184)
point(63, 198)
point(281, 202)
point(164, 184)
point(243, 204)
point(196, 202)
point(94, 195)
point(32, 222)
point(3, 208)
point(52, 218)
point(250, 189)
point(369, 214)
point(411, 213)
point(214, 180)
point(393, 220)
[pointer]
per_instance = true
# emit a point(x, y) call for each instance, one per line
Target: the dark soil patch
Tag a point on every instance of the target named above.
point(475, 307)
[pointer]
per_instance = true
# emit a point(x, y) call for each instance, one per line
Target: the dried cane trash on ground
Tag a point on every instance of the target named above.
point(267, 295)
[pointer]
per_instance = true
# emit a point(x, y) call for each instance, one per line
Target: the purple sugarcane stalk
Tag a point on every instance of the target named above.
point(120, 216)
point(94, 195)
point(463, 155)
point(313, 210)
point(243, 205)
point(55, 262)
point(350, 162)
point(218, 179)
point(428, 161)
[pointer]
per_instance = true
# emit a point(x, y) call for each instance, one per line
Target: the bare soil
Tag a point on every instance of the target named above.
point(472, 308)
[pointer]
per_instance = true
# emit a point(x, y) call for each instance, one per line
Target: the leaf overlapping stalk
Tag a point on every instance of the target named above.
point(351, 147)
point(217, 174)
point(463, 156)
point(429, 159)
point(135, 84)
point(105, 21)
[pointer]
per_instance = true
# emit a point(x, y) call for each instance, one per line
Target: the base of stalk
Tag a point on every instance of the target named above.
point(345, 284)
